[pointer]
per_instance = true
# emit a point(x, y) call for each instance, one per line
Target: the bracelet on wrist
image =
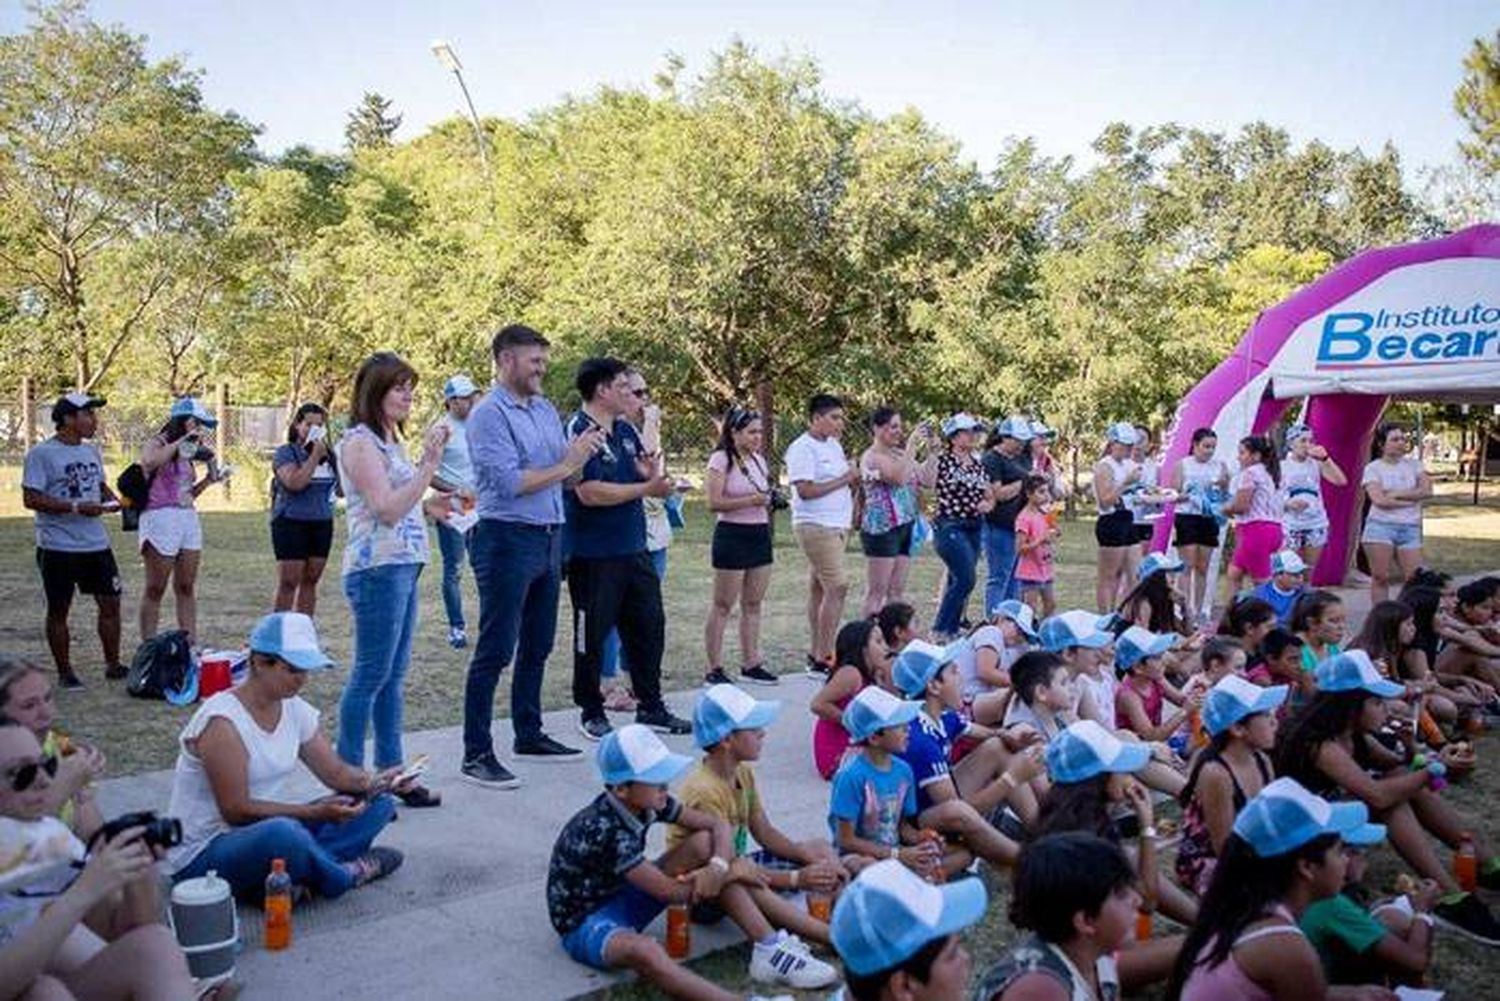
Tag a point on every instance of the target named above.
point(719, 864)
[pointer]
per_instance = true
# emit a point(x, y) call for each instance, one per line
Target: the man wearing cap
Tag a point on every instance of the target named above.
point(63, 482)
point(455, 477)
point(1003, 465)
point(520, 460)
point(897, 934)
point(822, 512)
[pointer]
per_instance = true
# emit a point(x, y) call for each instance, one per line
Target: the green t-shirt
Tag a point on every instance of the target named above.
point(1342, 932)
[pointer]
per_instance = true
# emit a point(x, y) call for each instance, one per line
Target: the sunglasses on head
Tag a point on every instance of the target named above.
point(23, 777)
point(740, 418)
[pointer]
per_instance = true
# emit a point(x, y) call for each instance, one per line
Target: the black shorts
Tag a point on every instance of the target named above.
point(740, 547)
point(886, 545)
point(1196, 530)
point(292, 539)
point(1115, 530)
point(1144, 531)
point(92, 573)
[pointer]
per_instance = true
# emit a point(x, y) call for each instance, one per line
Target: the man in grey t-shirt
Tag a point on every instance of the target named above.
point(63, 482)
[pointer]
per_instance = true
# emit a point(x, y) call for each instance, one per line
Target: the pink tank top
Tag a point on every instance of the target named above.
point(1227, 982)
point(830, 742)
point(1151, 703)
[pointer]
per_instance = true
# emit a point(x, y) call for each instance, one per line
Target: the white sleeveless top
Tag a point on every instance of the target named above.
point(1119, 469)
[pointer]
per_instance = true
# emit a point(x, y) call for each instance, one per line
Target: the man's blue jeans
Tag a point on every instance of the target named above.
point(1000, 561)
point(518, 568)
point(383, 600)
point(315, 853)
point(957, 544)
point(453, 545)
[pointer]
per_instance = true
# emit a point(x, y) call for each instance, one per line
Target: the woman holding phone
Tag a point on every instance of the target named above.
point(171, 534)
point(305, 478)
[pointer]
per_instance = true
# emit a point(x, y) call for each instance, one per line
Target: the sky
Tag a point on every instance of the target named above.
point(1352, 74)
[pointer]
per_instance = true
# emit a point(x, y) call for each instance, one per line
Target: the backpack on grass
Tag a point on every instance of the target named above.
point(163, 668)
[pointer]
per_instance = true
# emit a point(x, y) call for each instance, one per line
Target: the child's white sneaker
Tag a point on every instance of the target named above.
point(789, 962)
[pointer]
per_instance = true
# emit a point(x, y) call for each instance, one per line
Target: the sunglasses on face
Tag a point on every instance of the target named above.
point(23, 777)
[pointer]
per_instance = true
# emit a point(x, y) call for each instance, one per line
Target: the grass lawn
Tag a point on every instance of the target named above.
point(236, 586)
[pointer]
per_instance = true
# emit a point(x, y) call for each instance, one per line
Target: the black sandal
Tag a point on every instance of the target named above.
point(420, 798)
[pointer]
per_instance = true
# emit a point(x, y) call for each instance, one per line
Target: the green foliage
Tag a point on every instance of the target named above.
point(1477, 101)
point(371, 125)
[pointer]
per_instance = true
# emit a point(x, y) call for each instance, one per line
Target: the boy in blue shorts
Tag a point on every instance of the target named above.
point(602, 890)
point(957, 799)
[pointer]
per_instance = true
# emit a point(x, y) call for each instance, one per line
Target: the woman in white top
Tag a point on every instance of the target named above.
point(1201, 481)
point(235, 755)
point(1396, 485)
point(1116, 474)
point(1303, 471)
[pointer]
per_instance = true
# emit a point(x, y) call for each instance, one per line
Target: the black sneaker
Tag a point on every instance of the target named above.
point(661, 720)
point(377, 863)
point(116, 672)
point(544, 748)
point(818, 670)
point(717, 677)
point(596, 728)
point(756, 674)
point(1469, 917)
point(488, 772)
point(69, 682)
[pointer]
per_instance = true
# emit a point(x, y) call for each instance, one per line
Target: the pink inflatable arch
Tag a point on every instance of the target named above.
point(1419, 321)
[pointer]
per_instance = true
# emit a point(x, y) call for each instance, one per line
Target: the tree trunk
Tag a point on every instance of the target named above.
point(765, 402)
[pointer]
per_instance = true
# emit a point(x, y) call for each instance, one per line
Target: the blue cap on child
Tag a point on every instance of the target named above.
point(723, 709)
point(919, 662)
point(1159, 563)
point(889, 913)
point(874, 709)
point(1018, 612)
point(1351, 671)
point(1234, 698)
point(1136, 644)
point(1086, 749)
point(1075, 628)
point(634, 754)
point(292, 637)
point(1284, 816)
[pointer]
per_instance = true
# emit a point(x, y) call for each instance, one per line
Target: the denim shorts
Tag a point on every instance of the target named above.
point(629, 910)
point(1392, 534)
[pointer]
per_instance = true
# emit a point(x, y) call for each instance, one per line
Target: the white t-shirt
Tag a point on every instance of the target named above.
point(809, 460)
point(1302, 479)
point(968, 659)
point(1120, 470)
point(1402, 474)
point(271, 758)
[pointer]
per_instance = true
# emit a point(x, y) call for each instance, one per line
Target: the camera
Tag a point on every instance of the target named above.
point(160, 832)
point(779, 499)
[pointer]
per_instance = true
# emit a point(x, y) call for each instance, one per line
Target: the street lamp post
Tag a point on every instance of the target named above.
point(445, 55)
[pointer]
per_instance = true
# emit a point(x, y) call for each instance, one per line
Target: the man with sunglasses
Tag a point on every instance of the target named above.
point(46, 949)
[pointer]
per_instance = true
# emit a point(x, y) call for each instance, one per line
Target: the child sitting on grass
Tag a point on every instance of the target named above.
point(862, 660)
point(958, 799)
point(729, 726)
point(898, 936)
point(872, 812)
point(602, 890)
point(1144, 689)
point(1044, 694)
point(1358, 946)
point(1281, 662)
point(984, 658)
point(1286, 585)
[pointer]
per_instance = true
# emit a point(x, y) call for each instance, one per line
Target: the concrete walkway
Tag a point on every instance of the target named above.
point(466, 915)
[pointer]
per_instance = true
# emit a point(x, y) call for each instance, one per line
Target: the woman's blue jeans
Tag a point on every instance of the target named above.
point(383, 601)
point(315, 853)
point(957, 544)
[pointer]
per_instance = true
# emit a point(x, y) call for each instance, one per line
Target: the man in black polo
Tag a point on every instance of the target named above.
point(1002, 463)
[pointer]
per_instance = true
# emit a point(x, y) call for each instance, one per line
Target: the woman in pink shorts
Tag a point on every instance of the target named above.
point(1255, 508)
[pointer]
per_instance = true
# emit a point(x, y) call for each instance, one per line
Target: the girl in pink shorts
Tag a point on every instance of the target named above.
point(1255, 508)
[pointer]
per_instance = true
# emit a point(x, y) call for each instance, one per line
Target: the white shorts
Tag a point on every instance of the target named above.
point(171, 529)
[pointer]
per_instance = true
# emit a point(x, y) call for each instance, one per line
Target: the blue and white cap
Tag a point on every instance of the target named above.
point(961, 422)
point(188, 406)
point(1284, 816)
point(919, 662)
point(459, 386)
point(1018, 612)
point(1016, 427)
point(723, 709)
point(1086, 749)
point(1287, 561)
point(1159, 563)
point(634, 754)
point(1136, 644)
point(1234, 698)
point(1122, 433)
point(889, 913)
point(1075, 628)
point(874, 709)
point(1041, 430)
point(292, 637)
point(1297, 431)
point(1352, 671)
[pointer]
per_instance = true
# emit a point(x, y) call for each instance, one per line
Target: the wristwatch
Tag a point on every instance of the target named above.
point(1149, 832)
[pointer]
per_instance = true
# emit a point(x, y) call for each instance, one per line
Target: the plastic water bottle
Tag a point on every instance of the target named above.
point(1466, 863)
point(278, 905)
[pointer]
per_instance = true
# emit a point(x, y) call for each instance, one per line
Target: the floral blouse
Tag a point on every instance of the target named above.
point(961, 486)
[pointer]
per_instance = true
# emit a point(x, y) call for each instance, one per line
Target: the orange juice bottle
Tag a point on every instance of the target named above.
point(679, 932)
point(1466, 863)
point(278, 934)
point(1143, 925)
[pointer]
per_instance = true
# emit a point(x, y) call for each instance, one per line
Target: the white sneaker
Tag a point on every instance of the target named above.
point(789, 963)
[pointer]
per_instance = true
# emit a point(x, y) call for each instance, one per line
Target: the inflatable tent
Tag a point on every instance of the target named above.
point(1417, 322)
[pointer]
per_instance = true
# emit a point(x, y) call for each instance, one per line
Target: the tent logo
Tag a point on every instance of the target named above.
point(1433, 335)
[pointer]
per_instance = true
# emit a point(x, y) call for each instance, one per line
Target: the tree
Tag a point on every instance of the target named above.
point(371, 125)
point(102, 154)
point(1477, 101)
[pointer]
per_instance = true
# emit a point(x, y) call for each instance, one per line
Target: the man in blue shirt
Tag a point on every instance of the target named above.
point(520, 460)
point(455, 477)
point(611, 579)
